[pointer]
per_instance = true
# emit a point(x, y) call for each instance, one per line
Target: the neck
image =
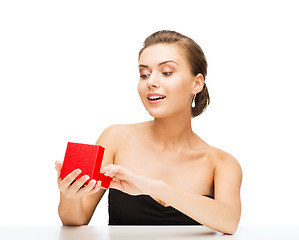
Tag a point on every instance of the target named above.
point(173, 133)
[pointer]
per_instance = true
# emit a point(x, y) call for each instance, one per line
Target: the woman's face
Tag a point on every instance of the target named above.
point(164, 71)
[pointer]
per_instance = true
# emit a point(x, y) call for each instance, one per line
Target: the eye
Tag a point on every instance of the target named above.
point(167, 73)
point(144, 76)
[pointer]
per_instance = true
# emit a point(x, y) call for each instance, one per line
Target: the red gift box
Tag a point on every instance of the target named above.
point(86, 157)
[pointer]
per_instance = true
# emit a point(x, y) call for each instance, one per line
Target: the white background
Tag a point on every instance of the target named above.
point(68, 70)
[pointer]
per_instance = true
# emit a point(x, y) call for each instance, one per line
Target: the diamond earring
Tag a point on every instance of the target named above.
point(193, 102)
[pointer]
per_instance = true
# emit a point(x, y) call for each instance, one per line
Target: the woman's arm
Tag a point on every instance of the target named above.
point(221, 213)
point(70, 209)
point(77, 202)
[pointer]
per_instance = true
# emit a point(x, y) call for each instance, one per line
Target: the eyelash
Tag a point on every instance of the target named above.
point(143, 76)
point(166, 74)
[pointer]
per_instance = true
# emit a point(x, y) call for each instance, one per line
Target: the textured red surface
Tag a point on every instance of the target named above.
point(86, 157)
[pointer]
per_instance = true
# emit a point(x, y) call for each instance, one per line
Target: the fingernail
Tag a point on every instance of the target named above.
point(93, 182)
point(78, 171)
point(86, 177)
point(106, 173)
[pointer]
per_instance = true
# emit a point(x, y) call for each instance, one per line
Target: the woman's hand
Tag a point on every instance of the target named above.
point(75, 189)
point(127, 181)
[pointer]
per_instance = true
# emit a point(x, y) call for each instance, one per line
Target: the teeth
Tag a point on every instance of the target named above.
point(155, 97)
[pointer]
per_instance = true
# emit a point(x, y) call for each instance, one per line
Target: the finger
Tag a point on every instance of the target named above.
point(105, 169)
point(76, 186)
point(121, 175)
point(112, 170)
point(96, 188)
point(86, 189)
point(58, 166)
point(67, 181)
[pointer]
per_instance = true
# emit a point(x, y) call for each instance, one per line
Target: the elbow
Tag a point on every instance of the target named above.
point(231, 230)
point(68, 220)
point(73, 223)
point(232, 227)
point(228, 227)
point(232, 223)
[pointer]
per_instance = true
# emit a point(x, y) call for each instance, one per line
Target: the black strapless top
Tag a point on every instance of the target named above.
point(125, 209)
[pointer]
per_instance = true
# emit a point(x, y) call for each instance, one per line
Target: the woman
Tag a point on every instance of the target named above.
point(162, 172)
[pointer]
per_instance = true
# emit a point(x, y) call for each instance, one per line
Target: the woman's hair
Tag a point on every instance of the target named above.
point(195, 57)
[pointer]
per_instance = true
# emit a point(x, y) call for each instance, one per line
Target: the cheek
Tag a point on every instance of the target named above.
point(180, 88)
point(140, 88)
point(180, 93)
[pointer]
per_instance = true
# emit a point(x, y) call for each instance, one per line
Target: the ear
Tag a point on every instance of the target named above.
point(198, 83)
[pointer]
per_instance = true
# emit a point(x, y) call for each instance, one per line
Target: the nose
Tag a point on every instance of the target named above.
point(153, 81)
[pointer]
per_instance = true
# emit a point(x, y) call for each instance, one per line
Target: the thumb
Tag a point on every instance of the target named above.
point(58, 166)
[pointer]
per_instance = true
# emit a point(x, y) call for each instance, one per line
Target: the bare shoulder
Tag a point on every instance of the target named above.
point(224, 161)
point(227, 179)
point(113, 135)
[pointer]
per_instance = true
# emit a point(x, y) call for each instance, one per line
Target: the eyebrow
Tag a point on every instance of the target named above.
point(161, 63)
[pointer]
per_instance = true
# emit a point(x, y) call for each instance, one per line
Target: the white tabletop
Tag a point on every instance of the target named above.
point(145, 233)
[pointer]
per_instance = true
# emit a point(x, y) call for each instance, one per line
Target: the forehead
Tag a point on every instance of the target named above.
point(158, 53)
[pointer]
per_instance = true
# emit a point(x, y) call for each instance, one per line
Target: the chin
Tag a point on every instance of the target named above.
point(159, 114)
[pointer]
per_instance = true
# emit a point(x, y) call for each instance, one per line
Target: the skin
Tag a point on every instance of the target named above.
point(162, 158)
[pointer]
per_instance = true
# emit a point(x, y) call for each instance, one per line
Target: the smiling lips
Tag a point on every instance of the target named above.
point(155, 97)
